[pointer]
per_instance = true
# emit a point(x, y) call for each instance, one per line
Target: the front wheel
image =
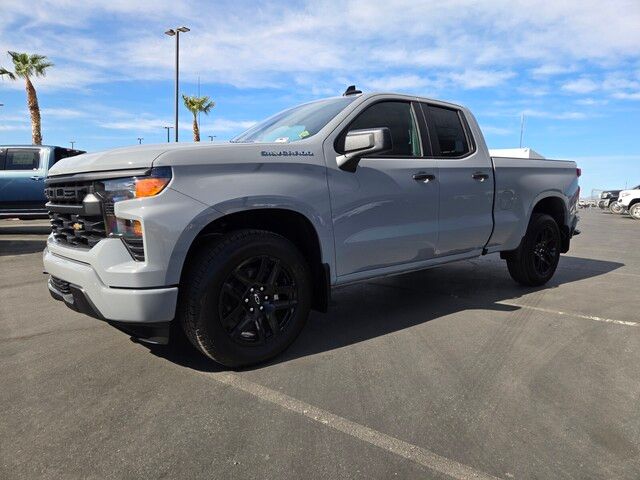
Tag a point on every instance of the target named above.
point(245, 298)
point(634, 211)
point(614, 207)
point(535, 261)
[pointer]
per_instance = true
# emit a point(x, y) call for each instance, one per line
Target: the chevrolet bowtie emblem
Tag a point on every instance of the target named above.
point(77, 226)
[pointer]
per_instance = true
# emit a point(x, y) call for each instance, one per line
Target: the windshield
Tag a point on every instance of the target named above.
point(296, 123)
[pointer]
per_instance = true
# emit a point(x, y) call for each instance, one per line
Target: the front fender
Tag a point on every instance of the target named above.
point(240, 204)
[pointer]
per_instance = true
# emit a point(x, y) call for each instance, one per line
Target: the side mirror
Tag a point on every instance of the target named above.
point(359, 143)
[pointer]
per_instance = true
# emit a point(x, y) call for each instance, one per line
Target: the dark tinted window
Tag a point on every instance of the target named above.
point(399, 118)
point(22, 159)
point(61, 153)
point(450, 140)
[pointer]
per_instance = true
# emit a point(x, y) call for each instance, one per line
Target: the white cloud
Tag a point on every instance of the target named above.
point(470, 79)
point(627, 95)
point(396, 83)
point(478, 44)
point(489, 129)
point(565, 115)
point(550, 69)
point(62, 113)
point(580, 85)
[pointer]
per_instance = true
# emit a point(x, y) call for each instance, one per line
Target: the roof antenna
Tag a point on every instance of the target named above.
point(351, 90)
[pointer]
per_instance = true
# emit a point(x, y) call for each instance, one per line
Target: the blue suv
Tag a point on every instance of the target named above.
point(23, 169)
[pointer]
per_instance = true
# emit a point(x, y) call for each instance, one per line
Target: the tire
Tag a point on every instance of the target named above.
point(634, 211)
point(536, 259)
point(246, 298)
point(615, 208)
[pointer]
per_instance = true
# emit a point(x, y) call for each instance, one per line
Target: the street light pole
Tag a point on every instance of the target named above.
point(140, 140)
point(171, 32)
point(211, 137)
point(72, 142)
point(168, 129)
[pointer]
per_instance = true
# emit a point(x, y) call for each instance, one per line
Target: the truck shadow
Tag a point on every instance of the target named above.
point(379, 307)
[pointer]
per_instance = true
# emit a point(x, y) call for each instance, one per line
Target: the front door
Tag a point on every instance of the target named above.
point(386, 212)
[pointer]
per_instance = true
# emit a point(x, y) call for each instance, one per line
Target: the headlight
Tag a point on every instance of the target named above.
point(604, 195)
point(129, 188)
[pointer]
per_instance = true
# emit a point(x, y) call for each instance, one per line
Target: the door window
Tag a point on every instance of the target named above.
point(22, 159)
point(450, 137)
point(400, 119)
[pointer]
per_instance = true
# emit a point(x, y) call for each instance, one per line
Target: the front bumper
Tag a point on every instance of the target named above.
point(88, 294)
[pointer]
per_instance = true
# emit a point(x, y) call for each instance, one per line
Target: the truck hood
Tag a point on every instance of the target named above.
point(139, 156)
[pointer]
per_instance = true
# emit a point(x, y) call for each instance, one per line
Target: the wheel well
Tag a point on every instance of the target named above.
point(633, 202)
point(554, 206)
point(294, 226)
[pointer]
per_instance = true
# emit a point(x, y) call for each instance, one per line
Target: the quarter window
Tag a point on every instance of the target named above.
point(399, 118)
point(22, 159)
point(451, 140)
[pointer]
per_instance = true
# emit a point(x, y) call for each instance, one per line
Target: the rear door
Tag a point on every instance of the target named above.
point(22, 178)
point(466, 182)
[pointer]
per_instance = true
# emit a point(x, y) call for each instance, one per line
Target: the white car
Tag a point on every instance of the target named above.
point(629, 200)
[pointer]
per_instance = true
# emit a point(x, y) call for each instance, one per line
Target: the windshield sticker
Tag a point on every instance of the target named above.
point(304, 134)
point(287, 153)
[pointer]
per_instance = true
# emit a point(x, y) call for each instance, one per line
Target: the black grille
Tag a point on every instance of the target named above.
point(71, 194)
point(77, 230)
point(69, 223)
point(135, 247)
point(60, 285)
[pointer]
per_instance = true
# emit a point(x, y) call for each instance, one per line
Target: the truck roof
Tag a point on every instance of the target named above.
point(17, 145)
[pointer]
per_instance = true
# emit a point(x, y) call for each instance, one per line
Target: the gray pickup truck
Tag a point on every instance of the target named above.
point(237, 242)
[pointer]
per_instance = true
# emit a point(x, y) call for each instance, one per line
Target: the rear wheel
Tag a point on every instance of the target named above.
point(246, 298)
point(536, 260)
point(634, 211)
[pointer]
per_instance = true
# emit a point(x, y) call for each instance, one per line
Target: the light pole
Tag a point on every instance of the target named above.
point(168, 129)
point(211, 137)
point(72, 142)
point(171, 32)
point(140, 140)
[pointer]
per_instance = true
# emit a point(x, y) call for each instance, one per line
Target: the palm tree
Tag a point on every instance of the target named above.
point(28, 66)
point(195, 105)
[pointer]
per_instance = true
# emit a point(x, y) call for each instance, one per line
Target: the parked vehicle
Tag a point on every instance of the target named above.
point(629, 201)
point(238, 241)
point(23, 169)
point(608, 200)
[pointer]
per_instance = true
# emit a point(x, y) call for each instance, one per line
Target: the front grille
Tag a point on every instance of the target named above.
point(69, 222)
point(60, 285)
point(67, 194)
point(77, 230)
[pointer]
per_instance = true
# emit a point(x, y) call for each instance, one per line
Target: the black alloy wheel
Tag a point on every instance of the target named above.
point(245, 297)
point(545, 251)
point(257, 300)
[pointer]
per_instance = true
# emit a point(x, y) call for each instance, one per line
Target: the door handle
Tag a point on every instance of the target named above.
point(481, 177)
point(423, 177)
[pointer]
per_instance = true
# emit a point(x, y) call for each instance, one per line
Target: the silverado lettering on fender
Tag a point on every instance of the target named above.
point(236, 242)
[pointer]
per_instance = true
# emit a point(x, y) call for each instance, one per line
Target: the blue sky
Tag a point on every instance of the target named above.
point(572, 67)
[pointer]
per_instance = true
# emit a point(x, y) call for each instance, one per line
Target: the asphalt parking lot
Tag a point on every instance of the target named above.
point(453, 372)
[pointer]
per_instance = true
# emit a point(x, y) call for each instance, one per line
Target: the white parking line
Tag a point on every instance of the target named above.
point(416, 454)
point(573, 314)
